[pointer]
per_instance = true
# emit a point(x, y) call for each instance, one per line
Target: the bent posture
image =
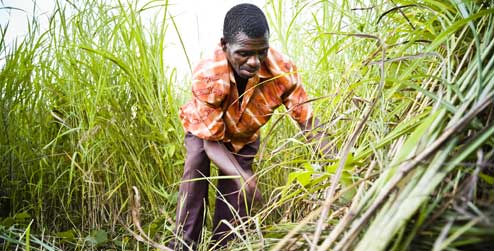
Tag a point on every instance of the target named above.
point(234, 93)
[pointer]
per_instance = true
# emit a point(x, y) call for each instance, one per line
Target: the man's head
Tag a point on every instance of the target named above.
point(245, 39)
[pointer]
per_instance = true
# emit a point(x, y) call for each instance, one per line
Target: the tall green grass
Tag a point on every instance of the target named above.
point(403, 90)
point(89, 109)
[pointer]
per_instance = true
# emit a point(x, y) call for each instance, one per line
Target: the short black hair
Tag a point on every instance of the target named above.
point(246, 18)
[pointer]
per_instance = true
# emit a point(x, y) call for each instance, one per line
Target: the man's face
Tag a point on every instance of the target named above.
point(246, 54)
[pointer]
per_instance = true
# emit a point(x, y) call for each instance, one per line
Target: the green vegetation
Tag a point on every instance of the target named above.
point(404, 90)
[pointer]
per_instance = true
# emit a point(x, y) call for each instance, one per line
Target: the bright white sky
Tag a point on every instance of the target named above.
point(200, 23)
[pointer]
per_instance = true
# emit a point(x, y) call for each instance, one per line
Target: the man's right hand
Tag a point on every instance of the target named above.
point(251, 189)
point(227, 163)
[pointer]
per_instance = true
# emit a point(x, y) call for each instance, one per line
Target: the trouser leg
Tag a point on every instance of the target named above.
point(229, 205)
point(192, 194)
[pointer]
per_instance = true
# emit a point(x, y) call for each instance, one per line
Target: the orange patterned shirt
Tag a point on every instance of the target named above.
point(215, 113)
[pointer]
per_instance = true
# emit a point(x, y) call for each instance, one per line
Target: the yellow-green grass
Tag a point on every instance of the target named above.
point(403, 89)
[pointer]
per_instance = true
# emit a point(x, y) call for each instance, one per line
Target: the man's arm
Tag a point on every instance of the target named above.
point(301, 111)
point(226, 162)
point(203, 115)
point(313, 132)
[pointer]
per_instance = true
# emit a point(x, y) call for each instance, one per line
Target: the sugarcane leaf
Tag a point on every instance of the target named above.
point(400, 130)
point(410, 145)
point(487, 178)
point(472, 146)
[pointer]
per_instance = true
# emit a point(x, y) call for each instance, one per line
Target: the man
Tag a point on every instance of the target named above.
point(234, 93)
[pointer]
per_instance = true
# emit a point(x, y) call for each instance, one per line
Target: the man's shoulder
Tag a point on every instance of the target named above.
point(212, 64)
point(278, 62)
point(278, 55)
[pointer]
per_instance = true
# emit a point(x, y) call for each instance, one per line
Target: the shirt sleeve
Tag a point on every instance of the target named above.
point(203, 115)
point(296, 99)
point(209, 84)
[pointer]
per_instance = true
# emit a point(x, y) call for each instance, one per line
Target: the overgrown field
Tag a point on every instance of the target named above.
point(404, 91)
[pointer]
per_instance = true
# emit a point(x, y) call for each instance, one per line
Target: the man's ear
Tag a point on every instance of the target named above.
point(223, 44)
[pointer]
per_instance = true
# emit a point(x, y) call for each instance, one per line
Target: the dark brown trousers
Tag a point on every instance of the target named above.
point(193, 192)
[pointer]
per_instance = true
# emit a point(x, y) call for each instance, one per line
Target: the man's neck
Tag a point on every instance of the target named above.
point(241, 84)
